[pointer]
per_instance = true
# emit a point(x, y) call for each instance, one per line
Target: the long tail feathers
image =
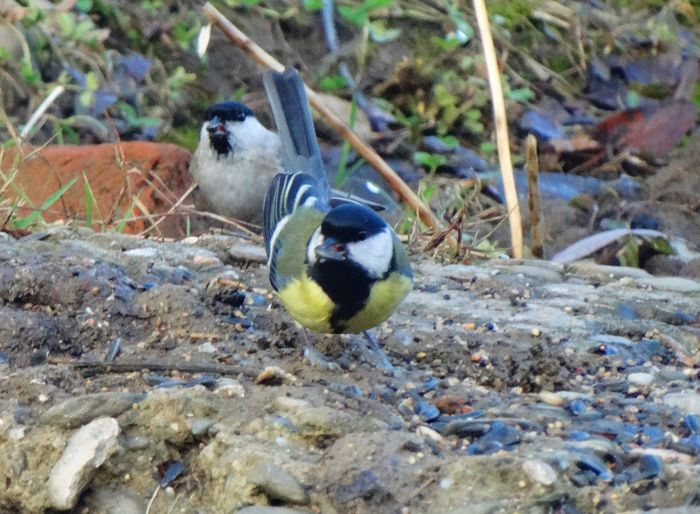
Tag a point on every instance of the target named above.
point(300, 151)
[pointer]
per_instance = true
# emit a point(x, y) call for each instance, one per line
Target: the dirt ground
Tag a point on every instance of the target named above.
point(518, 386)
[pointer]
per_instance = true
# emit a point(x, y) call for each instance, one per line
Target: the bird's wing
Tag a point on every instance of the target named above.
point(287, 193)
point(292, 212)
point(290, 108)
point(341, 198)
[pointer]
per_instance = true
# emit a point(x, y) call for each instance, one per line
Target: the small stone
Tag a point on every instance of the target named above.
point(87, 449)
point(114, 501)
point(80, 410)
point(550, 398)
point(200, 426)
point(203, 259)
point(247, 253)
point(640, 379)
point(277, 484)
point(274, 375)
point(146, 253)
point(285, 403)
point(540, 472)
point(446, 483)
point(206, 347)
point(686, 401)
point(229, 388)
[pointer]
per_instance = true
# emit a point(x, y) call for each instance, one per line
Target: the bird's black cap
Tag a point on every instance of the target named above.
point(228, 111)
point(351, 222)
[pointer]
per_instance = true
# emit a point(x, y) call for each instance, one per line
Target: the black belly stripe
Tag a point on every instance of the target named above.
point(347, 285)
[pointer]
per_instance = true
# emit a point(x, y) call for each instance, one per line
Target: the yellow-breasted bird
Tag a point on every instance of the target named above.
point(336, 265)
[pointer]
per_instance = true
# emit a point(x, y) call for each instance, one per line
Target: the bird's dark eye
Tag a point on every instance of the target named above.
point(363, 234)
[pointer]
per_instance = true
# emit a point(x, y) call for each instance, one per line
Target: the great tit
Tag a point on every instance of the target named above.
point(235, 161)
point(336, 268)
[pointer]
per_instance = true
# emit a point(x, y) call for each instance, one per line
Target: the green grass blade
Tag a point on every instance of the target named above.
point(27, 221)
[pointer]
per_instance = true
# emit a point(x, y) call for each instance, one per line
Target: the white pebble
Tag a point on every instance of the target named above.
point(87, 449)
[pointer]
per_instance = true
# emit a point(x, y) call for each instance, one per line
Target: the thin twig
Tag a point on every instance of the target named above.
point(499, 114)
point(153, 499)
point(533, 197)
point(367, 152)
point(57, 91)
point(130, 367)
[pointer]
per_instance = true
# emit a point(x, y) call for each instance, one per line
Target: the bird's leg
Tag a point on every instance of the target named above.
point(382, 362)
point(316, 358)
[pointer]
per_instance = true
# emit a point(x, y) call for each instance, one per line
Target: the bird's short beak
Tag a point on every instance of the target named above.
point(331, 250)
point(216, 127)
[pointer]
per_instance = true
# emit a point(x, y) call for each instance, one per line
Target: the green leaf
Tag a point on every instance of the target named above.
point(313, 5)
point(91, 81)
point(449, 141)
point(356, 15)
point(445, 44)
point(431, 161)
point(380, 33)
point(662, 245)
point(27, 221)
point(487, 148)
point(29, 75)
point(377, 4)
point(66, 23)
point(89, 201)
point(520, 95)
point(82, 29)
point(333, 83)
point(83, 5)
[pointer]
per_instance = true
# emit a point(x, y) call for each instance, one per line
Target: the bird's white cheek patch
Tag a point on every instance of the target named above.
point(374, 253)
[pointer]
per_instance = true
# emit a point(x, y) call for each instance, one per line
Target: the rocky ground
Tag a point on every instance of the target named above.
point(139, 375)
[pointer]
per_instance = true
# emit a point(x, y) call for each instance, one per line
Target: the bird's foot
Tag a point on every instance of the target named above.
point(379, 358)
point(318, 360)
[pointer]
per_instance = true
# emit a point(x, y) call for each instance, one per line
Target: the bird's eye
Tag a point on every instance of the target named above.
point(363, 234)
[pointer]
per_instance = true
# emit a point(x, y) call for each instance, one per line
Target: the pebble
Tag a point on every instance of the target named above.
point(206, 347)
point(229, 388)
point(277, 484)
point(274, 375)
point(147, 252)
point(687, 401)
point(114, 501)
point(550, 398)
point(247, 253)
point(87, 449)
point(540, 472)
point(200, 426)
point(640, 378)
point(80, 410)
point(287, 404)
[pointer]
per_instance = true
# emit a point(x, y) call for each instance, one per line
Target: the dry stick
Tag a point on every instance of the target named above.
point(373, 158)
point(55, 93)
point(533, 196)
point(130, 367)
point(499, 115)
